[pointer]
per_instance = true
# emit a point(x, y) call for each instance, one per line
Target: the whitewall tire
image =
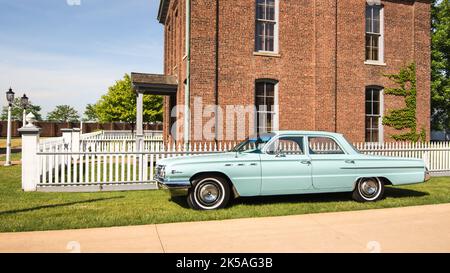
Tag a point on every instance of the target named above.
point(209, 193)
point(369, 189)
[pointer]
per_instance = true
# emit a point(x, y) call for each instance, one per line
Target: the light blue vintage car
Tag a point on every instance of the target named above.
point(282, 163)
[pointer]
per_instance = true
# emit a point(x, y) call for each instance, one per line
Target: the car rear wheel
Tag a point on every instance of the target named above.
point(369, 190)
point(209, 193)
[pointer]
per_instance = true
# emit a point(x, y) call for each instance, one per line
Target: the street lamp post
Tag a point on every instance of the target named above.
point(10, 99)
point(24, 103)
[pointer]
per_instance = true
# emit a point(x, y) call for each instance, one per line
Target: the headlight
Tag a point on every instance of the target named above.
point(161, 171)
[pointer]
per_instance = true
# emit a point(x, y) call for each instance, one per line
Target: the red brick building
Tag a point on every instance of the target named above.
point(320, 61)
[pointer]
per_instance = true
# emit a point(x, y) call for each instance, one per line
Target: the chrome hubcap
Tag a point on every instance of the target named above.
point(209, 193)
point(369, 188)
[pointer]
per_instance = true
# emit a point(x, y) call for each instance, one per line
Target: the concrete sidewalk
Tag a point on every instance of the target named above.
point(412, 229)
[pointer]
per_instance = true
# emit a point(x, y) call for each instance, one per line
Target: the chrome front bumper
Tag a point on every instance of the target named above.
point(175, 188)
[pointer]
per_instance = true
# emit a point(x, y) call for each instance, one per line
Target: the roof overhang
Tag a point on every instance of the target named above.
point(154, 84)
point(163, 8)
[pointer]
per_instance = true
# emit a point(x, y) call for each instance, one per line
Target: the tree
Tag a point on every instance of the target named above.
point(440, 67)
point(17, 111)
point(119, 104)
point(63, 113)
point(90, 114)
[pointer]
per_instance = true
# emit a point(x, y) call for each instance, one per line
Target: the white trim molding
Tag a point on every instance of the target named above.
point(373, 2)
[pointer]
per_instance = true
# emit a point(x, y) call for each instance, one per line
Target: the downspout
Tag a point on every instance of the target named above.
point(187, 91)
point(216, 88)
point(336, 72)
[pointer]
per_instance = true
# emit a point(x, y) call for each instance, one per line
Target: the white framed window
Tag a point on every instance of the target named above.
point(374, 114)
point(266, 35)
point(266, 102)
point(374, 34)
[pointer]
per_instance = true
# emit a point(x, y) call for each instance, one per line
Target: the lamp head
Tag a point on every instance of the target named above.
point(10, 96)
point(24, 101)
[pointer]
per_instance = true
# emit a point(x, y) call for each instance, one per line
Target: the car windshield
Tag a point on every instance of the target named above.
point(253, 144)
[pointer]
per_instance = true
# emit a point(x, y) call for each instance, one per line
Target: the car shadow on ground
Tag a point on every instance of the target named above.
point(390, 192)
point(57, 205)
point(180, 201)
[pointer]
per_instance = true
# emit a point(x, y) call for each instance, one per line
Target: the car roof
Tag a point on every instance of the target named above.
point(307, 133)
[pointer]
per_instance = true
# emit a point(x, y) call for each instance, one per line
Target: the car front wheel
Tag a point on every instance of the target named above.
point(209, 193)
point(369, 190)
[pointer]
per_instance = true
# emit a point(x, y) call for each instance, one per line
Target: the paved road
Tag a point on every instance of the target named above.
point(413, 229)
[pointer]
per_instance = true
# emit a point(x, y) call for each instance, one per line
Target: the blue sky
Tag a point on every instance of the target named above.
point(58, 53)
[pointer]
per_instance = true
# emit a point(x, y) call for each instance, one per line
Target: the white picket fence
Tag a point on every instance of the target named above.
point(95, 162)
point(121, 135)
point(118, 171)
point(51, 144)
point(93, 135)
point(435, 154)
point(118, 141)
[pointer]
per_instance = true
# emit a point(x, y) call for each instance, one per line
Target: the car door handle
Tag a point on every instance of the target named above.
point(350, 161)
point(306, 162)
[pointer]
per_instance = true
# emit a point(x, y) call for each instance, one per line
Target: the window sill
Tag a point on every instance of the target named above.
point(266, 54)
point(375, 63)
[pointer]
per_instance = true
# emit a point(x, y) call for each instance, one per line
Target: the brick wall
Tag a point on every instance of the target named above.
point(321, 80)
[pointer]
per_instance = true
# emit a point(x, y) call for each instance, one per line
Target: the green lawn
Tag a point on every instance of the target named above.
point(16, 142)
point(21, 211)
point(14, 157)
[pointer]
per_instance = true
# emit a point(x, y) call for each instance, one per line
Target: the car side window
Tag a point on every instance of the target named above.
point(287, 146)
point(324, 146)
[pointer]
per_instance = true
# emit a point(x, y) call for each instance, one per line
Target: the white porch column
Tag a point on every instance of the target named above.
point(140, 122)
point(30, 160)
